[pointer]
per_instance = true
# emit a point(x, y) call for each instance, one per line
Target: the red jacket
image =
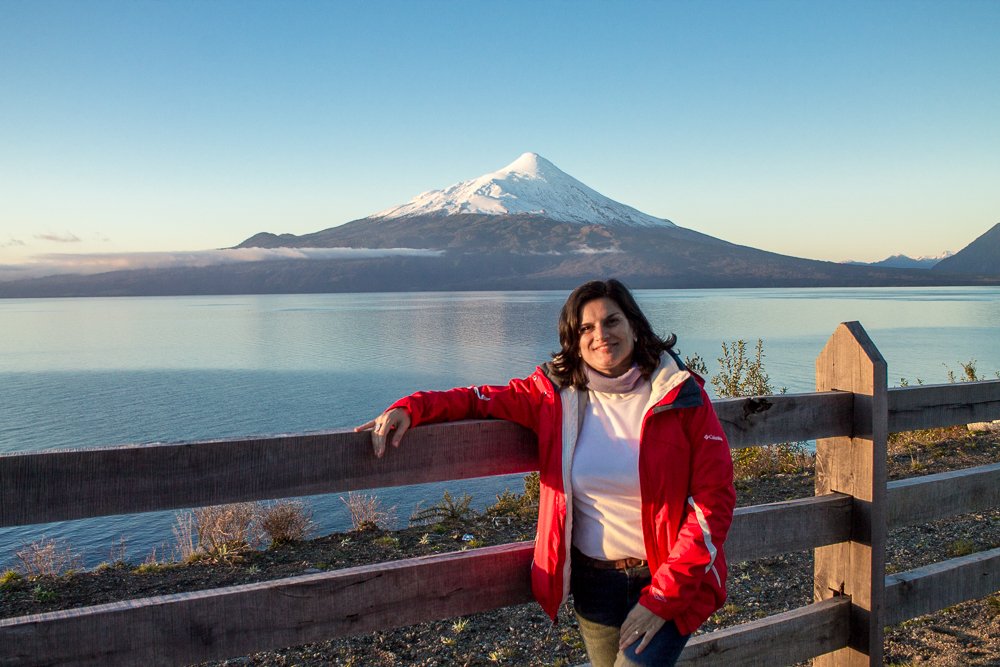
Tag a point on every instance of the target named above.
point(685, 480)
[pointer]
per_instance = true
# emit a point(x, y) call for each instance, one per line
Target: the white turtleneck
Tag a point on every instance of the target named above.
point(605, 476)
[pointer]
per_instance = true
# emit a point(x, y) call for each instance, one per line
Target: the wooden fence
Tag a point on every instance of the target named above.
point(845, 523)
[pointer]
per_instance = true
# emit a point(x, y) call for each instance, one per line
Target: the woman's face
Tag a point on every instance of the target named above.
point(606, 337)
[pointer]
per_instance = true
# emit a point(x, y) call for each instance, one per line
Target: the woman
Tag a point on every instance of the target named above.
point(628, 439)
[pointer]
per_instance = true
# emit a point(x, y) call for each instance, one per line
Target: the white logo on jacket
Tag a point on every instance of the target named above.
point(713, 437)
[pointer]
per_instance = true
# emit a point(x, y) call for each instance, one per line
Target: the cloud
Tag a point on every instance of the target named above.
point(12, 243)
point(89, 263)
point(58, 238)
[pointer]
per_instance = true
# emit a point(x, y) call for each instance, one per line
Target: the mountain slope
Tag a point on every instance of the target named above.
point(981, 257)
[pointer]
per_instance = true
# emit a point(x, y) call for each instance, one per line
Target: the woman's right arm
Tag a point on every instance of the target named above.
point(518, 401)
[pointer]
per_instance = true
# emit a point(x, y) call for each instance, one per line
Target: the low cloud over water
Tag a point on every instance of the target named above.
point(90, 263)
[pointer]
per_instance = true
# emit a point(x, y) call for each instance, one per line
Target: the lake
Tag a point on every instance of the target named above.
point(90, 372)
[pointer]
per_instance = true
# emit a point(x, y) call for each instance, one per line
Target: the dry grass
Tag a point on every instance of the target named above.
point(368, 512)
point(46, 558)
point(286, 521)
point(767, 460)
point(217, 533)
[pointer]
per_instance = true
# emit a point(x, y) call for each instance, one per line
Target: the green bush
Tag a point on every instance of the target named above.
point(743, 375)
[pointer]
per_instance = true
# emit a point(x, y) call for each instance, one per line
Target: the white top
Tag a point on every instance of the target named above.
point(606, 500)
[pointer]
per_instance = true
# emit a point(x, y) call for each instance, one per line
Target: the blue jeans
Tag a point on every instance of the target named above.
point(602, 599)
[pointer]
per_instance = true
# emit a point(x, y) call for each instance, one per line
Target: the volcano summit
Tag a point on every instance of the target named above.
point(528, 225)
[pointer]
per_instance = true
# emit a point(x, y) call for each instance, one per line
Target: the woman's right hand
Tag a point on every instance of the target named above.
point(395, 421)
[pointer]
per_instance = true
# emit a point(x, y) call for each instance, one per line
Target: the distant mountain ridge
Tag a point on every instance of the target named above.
point(904, 262)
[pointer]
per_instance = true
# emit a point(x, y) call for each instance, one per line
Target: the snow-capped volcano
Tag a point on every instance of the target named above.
point(530, 185)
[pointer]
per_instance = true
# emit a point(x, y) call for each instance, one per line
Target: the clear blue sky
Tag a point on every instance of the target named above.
point(828, 130)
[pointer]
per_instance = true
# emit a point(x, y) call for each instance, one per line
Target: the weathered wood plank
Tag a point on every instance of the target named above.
point(922, 499)
point(789, 526)
point(61, 485)
point(237, 620)
point(767, 420)
point(782, 639)
point(855, 466)
point(935, 405)
point(939, 585)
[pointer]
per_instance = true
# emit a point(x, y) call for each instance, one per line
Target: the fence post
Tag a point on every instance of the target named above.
point(856, 466)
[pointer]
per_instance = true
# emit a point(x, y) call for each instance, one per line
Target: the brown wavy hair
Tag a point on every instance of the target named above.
point(567, 364)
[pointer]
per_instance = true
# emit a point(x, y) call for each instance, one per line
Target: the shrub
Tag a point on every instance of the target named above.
point(740, 375)
point(532, 487)
point(447, 510)
point(218, 532)
point(367, 512)
point(510, 504)
point(287, 521)
point(46, 558)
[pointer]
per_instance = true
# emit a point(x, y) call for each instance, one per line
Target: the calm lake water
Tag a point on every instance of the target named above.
point(90, 372)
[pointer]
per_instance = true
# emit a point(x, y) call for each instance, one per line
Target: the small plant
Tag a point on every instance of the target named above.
point(447, 641)
point(118, 551)
point(499, 655)
point(367, 512)
point(447, 510)
point(969, 372)
point(729, 610)
point(9, 577)
point(150, 568)
point(344, 543)
point(287, 521)
point(46, 558)
point(993, 604)
point(459, 625)
point(42, 594)
point(425, 539)
point(387, 541)
point(961, 547)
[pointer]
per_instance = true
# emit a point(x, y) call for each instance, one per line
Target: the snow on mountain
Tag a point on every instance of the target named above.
point(528, 185)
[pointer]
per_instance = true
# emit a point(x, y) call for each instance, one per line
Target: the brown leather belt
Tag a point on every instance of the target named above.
point(598, 564)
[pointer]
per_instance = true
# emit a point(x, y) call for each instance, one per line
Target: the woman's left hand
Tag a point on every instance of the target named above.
point(640, 624)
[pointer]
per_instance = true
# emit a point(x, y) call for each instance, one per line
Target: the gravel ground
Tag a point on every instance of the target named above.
point(966, 634)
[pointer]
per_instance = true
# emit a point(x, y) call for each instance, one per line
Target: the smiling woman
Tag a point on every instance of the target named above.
point(636, 479)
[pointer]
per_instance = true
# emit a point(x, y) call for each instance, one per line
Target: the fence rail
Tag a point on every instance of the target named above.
point(850, 422)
